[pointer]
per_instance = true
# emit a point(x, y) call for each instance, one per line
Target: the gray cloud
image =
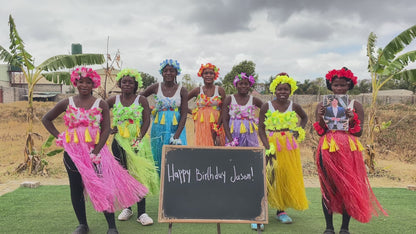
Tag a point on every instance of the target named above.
point(303, 38)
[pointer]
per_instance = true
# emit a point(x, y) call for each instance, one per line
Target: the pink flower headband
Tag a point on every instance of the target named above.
point(85, 72)
point(244, 76)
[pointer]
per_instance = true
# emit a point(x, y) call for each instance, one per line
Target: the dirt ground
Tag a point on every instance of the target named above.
point(395, 163)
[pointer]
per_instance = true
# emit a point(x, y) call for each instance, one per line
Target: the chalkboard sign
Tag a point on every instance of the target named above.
point(213, 185)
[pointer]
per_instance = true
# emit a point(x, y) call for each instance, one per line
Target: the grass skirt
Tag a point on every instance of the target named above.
point(203, 120)
point(247, 137)
point(140, 164)
point(343, 177)
point(162, 129)
point(285, 185)
point(108, 185)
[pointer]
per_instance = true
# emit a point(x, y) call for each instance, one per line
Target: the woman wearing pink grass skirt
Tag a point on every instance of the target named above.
point(90, 165)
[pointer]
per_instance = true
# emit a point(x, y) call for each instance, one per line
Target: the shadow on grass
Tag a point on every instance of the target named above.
point(48, 209)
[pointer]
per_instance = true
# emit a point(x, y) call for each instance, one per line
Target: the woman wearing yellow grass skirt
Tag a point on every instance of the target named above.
point(280, 135)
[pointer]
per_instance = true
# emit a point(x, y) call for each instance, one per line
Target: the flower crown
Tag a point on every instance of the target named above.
point(172, 63)
point(283, 79)
point(209, 66)
point(244, 76)
point(343, 72)
point(85, 72)
point(132, 73)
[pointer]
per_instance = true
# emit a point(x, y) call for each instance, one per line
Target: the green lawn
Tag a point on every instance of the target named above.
point(48, 209)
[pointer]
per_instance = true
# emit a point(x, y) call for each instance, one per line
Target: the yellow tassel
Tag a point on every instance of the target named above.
point(75, 136)
point(255, 126)
point(195, 116)
point(174, 121)
point(352, 144)
point(156, 118)
point(126, 132)
point(212, 118)
point(325, 145)
point(162, 121)
point(360, 146)
point(243, 128)
point(201, 118)
point(232, 127)
point(137, 130)
point(87, 136)
point(97, 137)
point(120, 130)
point(67, 137)
point(251, 128)
point(333, 146)
point(176, 109)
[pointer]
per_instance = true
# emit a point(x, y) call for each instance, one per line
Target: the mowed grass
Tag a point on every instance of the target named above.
point(48, 209)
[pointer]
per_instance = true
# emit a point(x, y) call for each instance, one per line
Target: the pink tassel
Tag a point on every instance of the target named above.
point(295, 145)
point(278, 146)
point(288, 145)
point(270, 134)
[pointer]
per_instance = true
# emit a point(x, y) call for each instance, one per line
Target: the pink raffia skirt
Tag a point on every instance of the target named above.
point(108, 185)
point(343, 177)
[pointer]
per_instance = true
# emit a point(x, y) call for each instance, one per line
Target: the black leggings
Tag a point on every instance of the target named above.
point(328, 216)
point(120, 154)
point(77, 194)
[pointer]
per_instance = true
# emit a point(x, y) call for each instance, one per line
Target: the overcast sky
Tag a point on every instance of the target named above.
point(305, 38)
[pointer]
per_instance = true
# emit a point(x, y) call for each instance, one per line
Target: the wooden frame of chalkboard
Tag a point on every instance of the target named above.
point(213, 185)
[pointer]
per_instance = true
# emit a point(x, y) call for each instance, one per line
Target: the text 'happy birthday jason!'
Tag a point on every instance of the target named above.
point(209, 174)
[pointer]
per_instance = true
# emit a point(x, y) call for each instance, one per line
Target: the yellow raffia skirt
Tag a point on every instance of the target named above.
point(285, 185)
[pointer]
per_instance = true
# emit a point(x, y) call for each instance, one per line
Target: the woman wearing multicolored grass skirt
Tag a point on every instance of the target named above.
point(207, 114)
point(344, 183)
point(169, 114)
point(131, 145)
point(239, 113)
point(280, 135)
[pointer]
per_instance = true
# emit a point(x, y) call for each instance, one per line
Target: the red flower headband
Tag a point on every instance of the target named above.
point(210, 66)
point(343, 72)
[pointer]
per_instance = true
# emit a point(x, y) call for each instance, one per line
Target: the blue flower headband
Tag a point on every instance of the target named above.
point(172, 63)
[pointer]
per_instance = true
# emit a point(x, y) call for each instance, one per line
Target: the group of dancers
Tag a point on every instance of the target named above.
point(117, 180)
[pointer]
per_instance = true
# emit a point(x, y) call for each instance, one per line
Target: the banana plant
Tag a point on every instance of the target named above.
point(51, 69)
point(385, 64)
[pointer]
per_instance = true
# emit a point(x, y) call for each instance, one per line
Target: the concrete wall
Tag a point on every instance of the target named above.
point(11, 94)
point(364, 99)
point(4, 75)
point(43, 87)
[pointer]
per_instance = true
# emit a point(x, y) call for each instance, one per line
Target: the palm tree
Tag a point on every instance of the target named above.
point(19, 57)
point(383, 66)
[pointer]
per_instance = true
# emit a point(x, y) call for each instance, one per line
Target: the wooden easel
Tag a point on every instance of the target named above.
point(218, 228)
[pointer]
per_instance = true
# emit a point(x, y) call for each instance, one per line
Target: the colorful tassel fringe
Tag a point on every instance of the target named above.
point(243, 128)
point(162, 120)
point(211, 118)
point(174, 121)
point(87, 136)
point(76, 140)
